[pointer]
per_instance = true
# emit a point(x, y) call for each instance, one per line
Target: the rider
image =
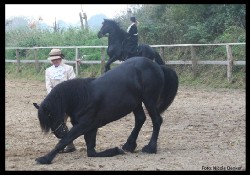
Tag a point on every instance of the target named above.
point(131, 43)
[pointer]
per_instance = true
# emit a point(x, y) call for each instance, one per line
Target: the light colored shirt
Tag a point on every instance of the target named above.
point(55, 75)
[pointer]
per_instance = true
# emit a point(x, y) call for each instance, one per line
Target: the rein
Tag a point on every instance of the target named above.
point(61, 130)
point(57, 128)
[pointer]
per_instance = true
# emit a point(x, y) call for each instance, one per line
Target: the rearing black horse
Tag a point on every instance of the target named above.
point(116, 38)
point(93, 103)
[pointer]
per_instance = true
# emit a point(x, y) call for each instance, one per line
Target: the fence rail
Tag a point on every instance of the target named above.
point(230, 62)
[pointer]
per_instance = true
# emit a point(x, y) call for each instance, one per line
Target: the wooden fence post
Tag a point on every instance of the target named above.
point(76, 58)
point(194, 61)
point(102, 60)
point(162, 54)
point(230, 63)
point(18, 61)
point(36, 61)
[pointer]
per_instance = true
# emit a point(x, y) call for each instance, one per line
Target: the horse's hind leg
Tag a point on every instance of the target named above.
point(140, 118)
point(90, 139)
point(157, 121)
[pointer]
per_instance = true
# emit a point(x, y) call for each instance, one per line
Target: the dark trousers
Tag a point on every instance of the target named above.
point(130, 47)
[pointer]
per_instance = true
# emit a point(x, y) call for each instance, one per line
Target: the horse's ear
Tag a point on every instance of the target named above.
point(36, 105)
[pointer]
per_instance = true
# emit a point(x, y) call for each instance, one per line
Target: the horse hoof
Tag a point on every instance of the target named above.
point(148, 149)
point(119, 151)
point(129, 147)
point(67, 150)
point(42, 160)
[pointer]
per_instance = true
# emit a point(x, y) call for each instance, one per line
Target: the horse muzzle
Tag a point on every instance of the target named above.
point(61, 131)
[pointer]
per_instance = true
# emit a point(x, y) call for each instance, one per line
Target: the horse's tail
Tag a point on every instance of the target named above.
point(44, 120)
point(170, 88)
point(158, 58)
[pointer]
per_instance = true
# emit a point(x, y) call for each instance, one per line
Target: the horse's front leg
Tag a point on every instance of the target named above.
point(140, 118)
point(47, 158)
point(90, 139)
point(109, 62)
point(74, 133)
point(70, 147)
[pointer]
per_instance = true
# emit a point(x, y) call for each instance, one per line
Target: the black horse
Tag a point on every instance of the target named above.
point(94, 102)
point(116, 38)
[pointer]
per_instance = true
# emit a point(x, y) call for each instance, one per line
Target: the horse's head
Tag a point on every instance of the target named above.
point(107, 27)
point(104, 29)
point(48, 121)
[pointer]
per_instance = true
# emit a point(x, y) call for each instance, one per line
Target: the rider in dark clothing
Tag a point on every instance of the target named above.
point(131, 43)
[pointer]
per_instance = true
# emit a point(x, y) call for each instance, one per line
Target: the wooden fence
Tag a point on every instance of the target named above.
point(230, 62)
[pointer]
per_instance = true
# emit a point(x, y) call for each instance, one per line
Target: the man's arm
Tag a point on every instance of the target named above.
point(70, 73)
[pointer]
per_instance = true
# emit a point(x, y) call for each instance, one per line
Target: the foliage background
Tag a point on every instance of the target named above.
point(158, 24)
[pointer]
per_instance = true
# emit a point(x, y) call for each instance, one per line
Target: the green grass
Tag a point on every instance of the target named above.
point(26, 72)
point(208, 76)
point(212, 76)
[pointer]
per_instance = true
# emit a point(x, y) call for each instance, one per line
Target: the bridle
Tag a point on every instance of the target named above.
point(57, 128)
point(61, 130)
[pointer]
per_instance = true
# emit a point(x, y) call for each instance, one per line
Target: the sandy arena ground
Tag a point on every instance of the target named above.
point(201, 130)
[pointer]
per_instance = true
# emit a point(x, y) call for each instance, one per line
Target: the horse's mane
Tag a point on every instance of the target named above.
point(112, 23)
point(115, 25)
point(55, 102)
point(75, 88)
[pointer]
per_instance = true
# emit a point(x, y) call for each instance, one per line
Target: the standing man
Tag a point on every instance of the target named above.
point(56, 74)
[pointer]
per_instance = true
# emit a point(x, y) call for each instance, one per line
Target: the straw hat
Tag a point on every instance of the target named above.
point(55, 54)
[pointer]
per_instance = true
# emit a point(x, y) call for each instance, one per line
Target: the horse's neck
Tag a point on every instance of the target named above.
point(116, 36)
